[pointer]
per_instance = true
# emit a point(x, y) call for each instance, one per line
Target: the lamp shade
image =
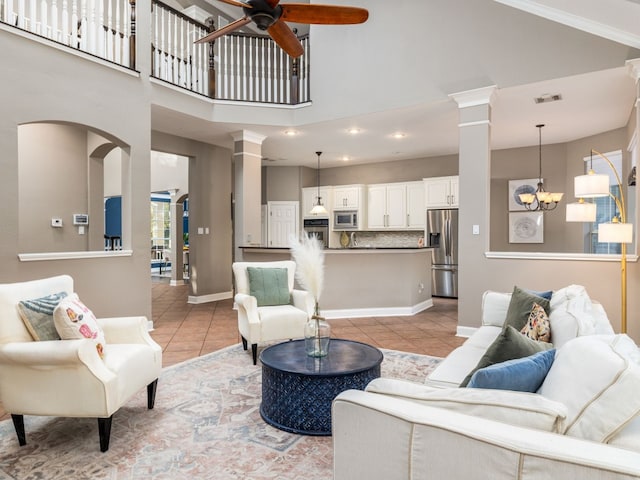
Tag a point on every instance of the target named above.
point(318, 210)
point(615, 232)
point(581, 212)
point(591, 185)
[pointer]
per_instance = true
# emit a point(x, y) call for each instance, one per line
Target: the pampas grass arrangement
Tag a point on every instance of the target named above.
point(308, 253)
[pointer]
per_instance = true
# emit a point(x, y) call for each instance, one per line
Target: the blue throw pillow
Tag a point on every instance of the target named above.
point(522, 375)
point(546, 294)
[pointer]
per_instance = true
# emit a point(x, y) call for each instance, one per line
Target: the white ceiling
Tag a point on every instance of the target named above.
point(593, 100)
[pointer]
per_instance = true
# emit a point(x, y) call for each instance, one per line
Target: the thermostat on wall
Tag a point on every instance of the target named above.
point(80, 219)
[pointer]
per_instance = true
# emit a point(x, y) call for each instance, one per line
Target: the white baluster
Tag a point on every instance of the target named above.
point(91, 26)
point(33, 15)
point(21, 14)
point(83, 34)
point(156, 53)
point(100, 35)
point(54, 20)
point(44, 22)
point(163, 69)
point(74, 24)
point(117, 36)
point(126, 31)
point(65, 22)
point(110, 33)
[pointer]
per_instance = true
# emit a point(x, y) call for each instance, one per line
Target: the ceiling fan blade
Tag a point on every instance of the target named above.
point(224, 30)
point(236, 3)
point(322, 14)
point(283, 36)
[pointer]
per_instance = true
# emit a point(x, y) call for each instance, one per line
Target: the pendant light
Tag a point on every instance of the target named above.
point(540, 199)
point(318, 208)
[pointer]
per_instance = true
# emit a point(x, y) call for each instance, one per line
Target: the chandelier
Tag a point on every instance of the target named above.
point(318, 208)
point(540, 199)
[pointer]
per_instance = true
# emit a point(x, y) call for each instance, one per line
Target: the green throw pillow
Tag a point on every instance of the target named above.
point(269, 285)
point(37, 315)
point(520, 307)
point(509, 345)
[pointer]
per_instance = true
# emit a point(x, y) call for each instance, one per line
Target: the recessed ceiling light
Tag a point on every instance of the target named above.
point(345, 158)
point(354, 130)
point(399, 135)
point(290, 133)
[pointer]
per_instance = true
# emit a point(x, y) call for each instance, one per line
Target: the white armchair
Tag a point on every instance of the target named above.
point(277, 322)
point(67, 378)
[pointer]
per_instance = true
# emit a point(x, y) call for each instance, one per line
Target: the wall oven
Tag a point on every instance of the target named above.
point(345, 220)
point(319, 228)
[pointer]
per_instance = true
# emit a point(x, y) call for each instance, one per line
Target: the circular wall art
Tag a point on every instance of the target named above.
point(526, 227)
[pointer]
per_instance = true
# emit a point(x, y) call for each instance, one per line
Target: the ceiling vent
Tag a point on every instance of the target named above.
point(547, 97)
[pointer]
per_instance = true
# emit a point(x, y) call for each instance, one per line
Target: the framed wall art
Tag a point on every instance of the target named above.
point(526, 227)
point(516, 187)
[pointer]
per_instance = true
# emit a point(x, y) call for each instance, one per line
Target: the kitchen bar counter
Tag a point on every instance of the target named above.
point(364, 281)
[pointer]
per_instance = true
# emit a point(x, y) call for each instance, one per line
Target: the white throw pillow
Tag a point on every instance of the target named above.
point(494, 307)
point(594, 377)
point(572, 315)
point(523, 409)
point(73, 320)
point(629, 437)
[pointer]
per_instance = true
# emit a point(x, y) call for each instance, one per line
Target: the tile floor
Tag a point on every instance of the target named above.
point(185, 331)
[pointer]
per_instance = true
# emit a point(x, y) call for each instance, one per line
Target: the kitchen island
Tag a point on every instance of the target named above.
point(366, 282)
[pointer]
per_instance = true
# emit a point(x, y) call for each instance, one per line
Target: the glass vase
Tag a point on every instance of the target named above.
point(317, 335)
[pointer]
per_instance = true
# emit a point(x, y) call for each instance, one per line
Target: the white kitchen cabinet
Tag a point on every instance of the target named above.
point(416, 206)
point(387, 206)
point(348, 197)
point(310, 198)
point(441, 192)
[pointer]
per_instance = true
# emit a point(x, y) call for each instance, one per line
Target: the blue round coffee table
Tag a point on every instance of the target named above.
point(297, 390)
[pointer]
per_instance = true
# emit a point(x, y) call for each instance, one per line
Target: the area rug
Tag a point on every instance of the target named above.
point(206, 424)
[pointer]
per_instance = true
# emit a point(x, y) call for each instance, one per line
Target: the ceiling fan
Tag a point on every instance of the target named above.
point(270, 16)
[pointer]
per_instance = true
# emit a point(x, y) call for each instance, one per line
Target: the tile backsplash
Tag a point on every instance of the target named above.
point(400, 239)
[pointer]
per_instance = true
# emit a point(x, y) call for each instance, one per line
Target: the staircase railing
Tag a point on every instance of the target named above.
point(238, 67)
point(104, 28)
point(235, 67)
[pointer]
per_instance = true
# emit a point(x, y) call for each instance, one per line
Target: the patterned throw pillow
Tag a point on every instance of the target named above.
point(73, 320)
point(538, 326)
point(37, 315)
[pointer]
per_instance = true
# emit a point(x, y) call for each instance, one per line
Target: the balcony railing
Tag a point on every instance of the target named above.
point(105, 28)
point(239, 67)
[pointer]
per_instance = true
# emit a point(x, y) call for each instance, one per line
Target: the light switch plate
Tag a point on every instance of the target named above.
point(476, 229)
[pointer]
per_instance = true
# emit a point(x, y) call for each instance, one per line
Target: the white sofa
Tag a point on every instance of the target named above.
point(403, 430)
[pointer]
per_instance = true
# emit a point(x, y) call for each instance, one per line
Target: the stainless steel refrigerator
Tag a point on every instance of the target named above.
point(442, 237)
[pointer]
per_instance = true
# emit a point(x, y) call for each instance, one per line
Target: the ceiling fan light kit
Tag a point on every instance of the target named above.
point(269, 16)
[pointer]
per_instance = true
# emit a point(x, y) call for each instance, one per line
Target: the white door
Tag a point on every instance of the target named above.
point(415, 205)
point(376, 206)
point(283, 222)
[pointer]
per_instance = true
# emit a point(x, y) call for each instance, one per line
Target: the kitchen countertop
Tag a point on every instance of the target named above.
point(332, 250)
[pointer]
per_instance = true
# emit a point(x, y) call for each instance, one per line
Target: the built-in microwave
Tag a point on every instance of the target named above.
point(345, 220)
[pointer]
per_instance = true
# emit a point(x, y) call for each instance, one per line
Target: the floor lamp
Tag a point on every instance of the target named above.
point(617, 230)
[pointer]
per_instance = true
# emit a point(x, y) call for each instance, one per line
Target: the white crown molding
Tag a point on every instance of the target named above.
point(475, 97)
point(575, 21)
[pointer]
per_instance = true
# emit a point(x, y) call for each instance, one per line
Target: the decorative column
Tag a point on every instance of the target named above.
point(474, 164)
point(247, 191)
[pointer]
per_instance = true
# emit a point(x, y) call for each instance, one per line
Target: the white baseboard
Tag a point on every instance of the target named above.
point(212, 297)
point(377, 312)
point(175, 283)
point(465, 331)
